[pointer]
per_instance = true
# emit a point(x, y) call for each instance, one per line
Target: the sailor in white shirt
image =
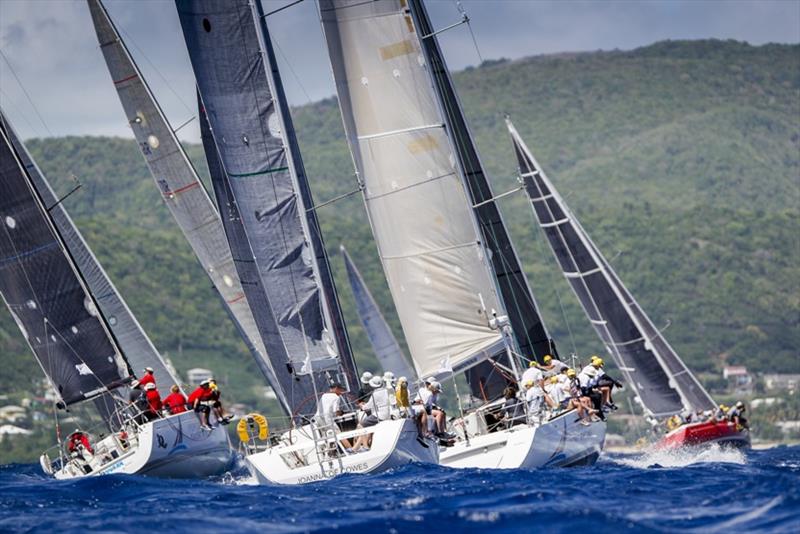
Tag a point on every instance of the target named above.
point(557, 393)
point(551, 367)
point(532, 373)
point(329, 407)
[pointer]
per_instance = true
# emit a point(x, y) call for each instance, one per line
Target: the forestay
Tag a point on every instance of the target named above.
point(238, 90)
point(662, 382)
point(421, 217)
point(179, 185)
point(46, 294)
point(387, 349)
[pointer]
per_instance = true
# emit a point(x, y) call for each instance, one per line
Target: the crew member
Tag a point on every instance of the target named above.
point(513, 409)
point(401, 397)
point(198, 402)
point(77, 443)
point(558, 394)
point(175, 402)
point(736, 415)
point(147, 377)
point(138, 401)
point(550, 367)
point(216, 404)
point(588, 380)
point(605, 383)
point(153, 401)
point(531, 373)
point(329, 407)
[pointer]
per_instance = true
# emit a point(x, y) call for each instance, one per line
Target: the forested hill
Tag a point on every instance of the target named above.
point(681, 159)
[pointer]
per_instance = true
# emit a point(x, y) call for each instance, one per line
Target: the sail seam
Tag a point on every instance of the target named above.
point(27, 253)
point(428, 252)
point(396, 132)
point(258, 173)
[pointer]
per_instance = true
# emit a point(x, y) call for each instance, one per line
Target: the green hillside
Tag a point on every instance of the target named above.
point(682, 160)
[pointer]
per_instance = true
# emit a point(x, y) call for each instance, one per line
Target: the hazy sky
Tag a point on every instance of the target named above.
point(53, 50)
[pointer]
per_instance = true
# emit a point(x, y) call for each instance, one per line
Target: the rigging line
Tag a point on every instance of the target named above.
point(463, 12)
point(289, 64)
point(335, 199)
point(287, 6)
point(25, 91)
point(24, 116)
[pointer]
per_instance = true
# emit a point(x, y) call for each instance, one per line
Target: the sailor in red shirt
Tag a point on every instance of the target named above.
point(175, 402)
point(153, 401)
point(77, 442)
point(199, 401)
point(148, 377)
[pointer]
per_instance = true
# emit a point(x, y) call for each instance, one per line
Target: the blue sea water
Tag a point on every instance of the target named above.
point(711, 491)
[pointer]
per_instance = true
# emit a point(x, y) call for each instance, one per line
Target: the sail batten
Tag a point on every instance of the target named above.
point(661, 380)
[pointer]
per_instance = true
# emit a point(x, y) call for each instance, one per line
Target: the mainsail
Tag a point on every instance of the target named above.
point(180, 186)
point(662, 381)
point(387, 349)
point(421, 217)
point(46, 293)
point(262, 178)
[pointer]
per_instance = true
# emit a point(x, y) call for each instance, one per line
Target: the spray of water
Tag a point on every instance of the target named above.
point(682, 457)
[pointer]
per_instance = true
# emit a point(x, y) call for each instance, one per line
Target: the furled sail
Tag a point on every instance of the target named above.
point(663, 383)
point(261, 174)
point(46, 294)
point(132, 339)
point(180, 186)
point(421, 217)
point(387, 349)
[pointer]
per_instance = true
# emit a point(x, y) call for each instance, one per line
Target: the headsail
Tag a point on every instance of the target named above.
point(380, 335)
point(46, 294)
point(261, 171)
point(663, 383)
point(421, 217)
point(179, 185)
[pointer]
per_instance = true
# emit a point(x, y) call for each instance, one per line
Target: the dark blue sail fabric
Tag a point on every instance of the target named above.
point(45, 293)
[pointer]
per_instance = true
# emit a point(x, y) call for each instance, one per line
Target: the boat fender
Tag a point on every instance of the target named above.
point(248, 426)
point(44, 461)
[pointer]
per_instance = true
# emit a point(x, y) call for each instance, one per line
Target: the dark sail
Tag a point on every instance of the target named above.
point(662, 382)
point(380, 335)
point(518, 299)
point(261, 182)
point(47, 296)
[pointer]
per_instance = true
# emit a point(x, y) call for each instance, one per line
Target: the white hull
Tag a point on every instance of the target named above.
point(172, 447)
point(394, 443)
point(560, 442)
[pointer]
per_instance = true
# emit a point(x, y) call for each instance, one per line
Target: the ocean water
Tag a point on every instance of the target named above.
point(710, 491)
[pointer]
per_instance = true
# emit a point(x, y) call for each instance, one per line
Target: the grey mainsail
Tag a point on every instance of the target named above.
point(132, 339)
point(262, 174)
point(662, 381)
point(424, 227)
point(180, 186)
point(387, 349)
point(46, 293)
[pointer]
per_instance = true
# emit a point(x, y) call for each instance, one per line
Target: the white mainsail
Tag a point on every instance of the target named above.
point(421, 216)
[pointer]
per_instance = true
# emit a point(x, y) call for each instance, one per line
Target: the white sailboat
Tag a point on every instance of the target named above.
point(276, 243)
point(85, 338)
point(456, 281)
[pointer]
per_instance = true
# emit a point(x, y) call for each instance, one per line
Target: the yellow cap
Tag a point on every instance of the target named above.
point(570, 372)
point(598, 361)
point(547, 358)
point(594, 357)
point(532, 363)
point(553, 379)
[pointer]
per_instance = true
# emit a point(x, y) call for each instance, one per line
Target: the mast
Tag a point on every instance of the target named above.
point(529, 329)
point(427, 238)
point(387, 349)
point(47, 294)
point(180, 187)
point(663, 383)
point(259, 173)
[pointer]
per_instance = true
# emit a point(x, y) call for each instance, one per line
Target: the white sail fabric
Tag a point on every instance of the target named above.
point(180, 186)
point(419, 211)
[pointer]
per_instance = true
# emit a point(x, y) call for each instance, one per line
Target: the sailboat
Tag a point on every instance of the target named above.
point(663, 384)
point(85, 338)
point(462, 298)
point(276, 242)
point(387, 349)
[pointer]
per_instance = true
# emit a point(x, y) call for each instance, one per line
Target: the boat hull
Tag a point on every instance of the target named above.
point(171, 447)
point(560, 442)
point(394, 444)
point(723, 433)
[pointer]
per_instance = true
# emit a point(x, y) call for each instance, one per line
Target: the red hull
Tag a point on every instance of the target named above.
point(706, 433)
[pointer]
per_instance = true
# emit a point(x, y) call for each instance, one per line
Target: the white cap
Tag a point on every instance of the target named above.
point(429, 380)
point(365, 377)
point(148, 369)
point(388, 375)
point(376, 382)
point(402, 380)
point(205, 382)
point(149, 386)
point(436, 386)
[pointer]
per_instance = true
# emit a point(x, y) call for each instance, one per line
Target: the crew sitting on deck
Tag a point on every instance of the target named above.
point(557, 392)
point(577, 399)
point(736, 415)
point(588, 380)
point(605, 383)
point(427, 398)
point(219, 411)
point(550, 367)
point(153, 402)
point(376, 409)
point(78, 443)
point(147, 377)
point(175, 402)
point(365, 390)
point(199, 402)
point(401, 397)
point(722, 413)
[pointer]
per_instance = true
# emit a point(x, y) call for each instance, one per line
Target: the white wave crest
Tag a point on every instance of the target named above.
point(682, 457)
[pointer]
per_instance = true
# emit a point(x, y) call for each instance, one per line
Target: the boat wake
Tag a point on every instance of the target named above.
point(683, 457)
